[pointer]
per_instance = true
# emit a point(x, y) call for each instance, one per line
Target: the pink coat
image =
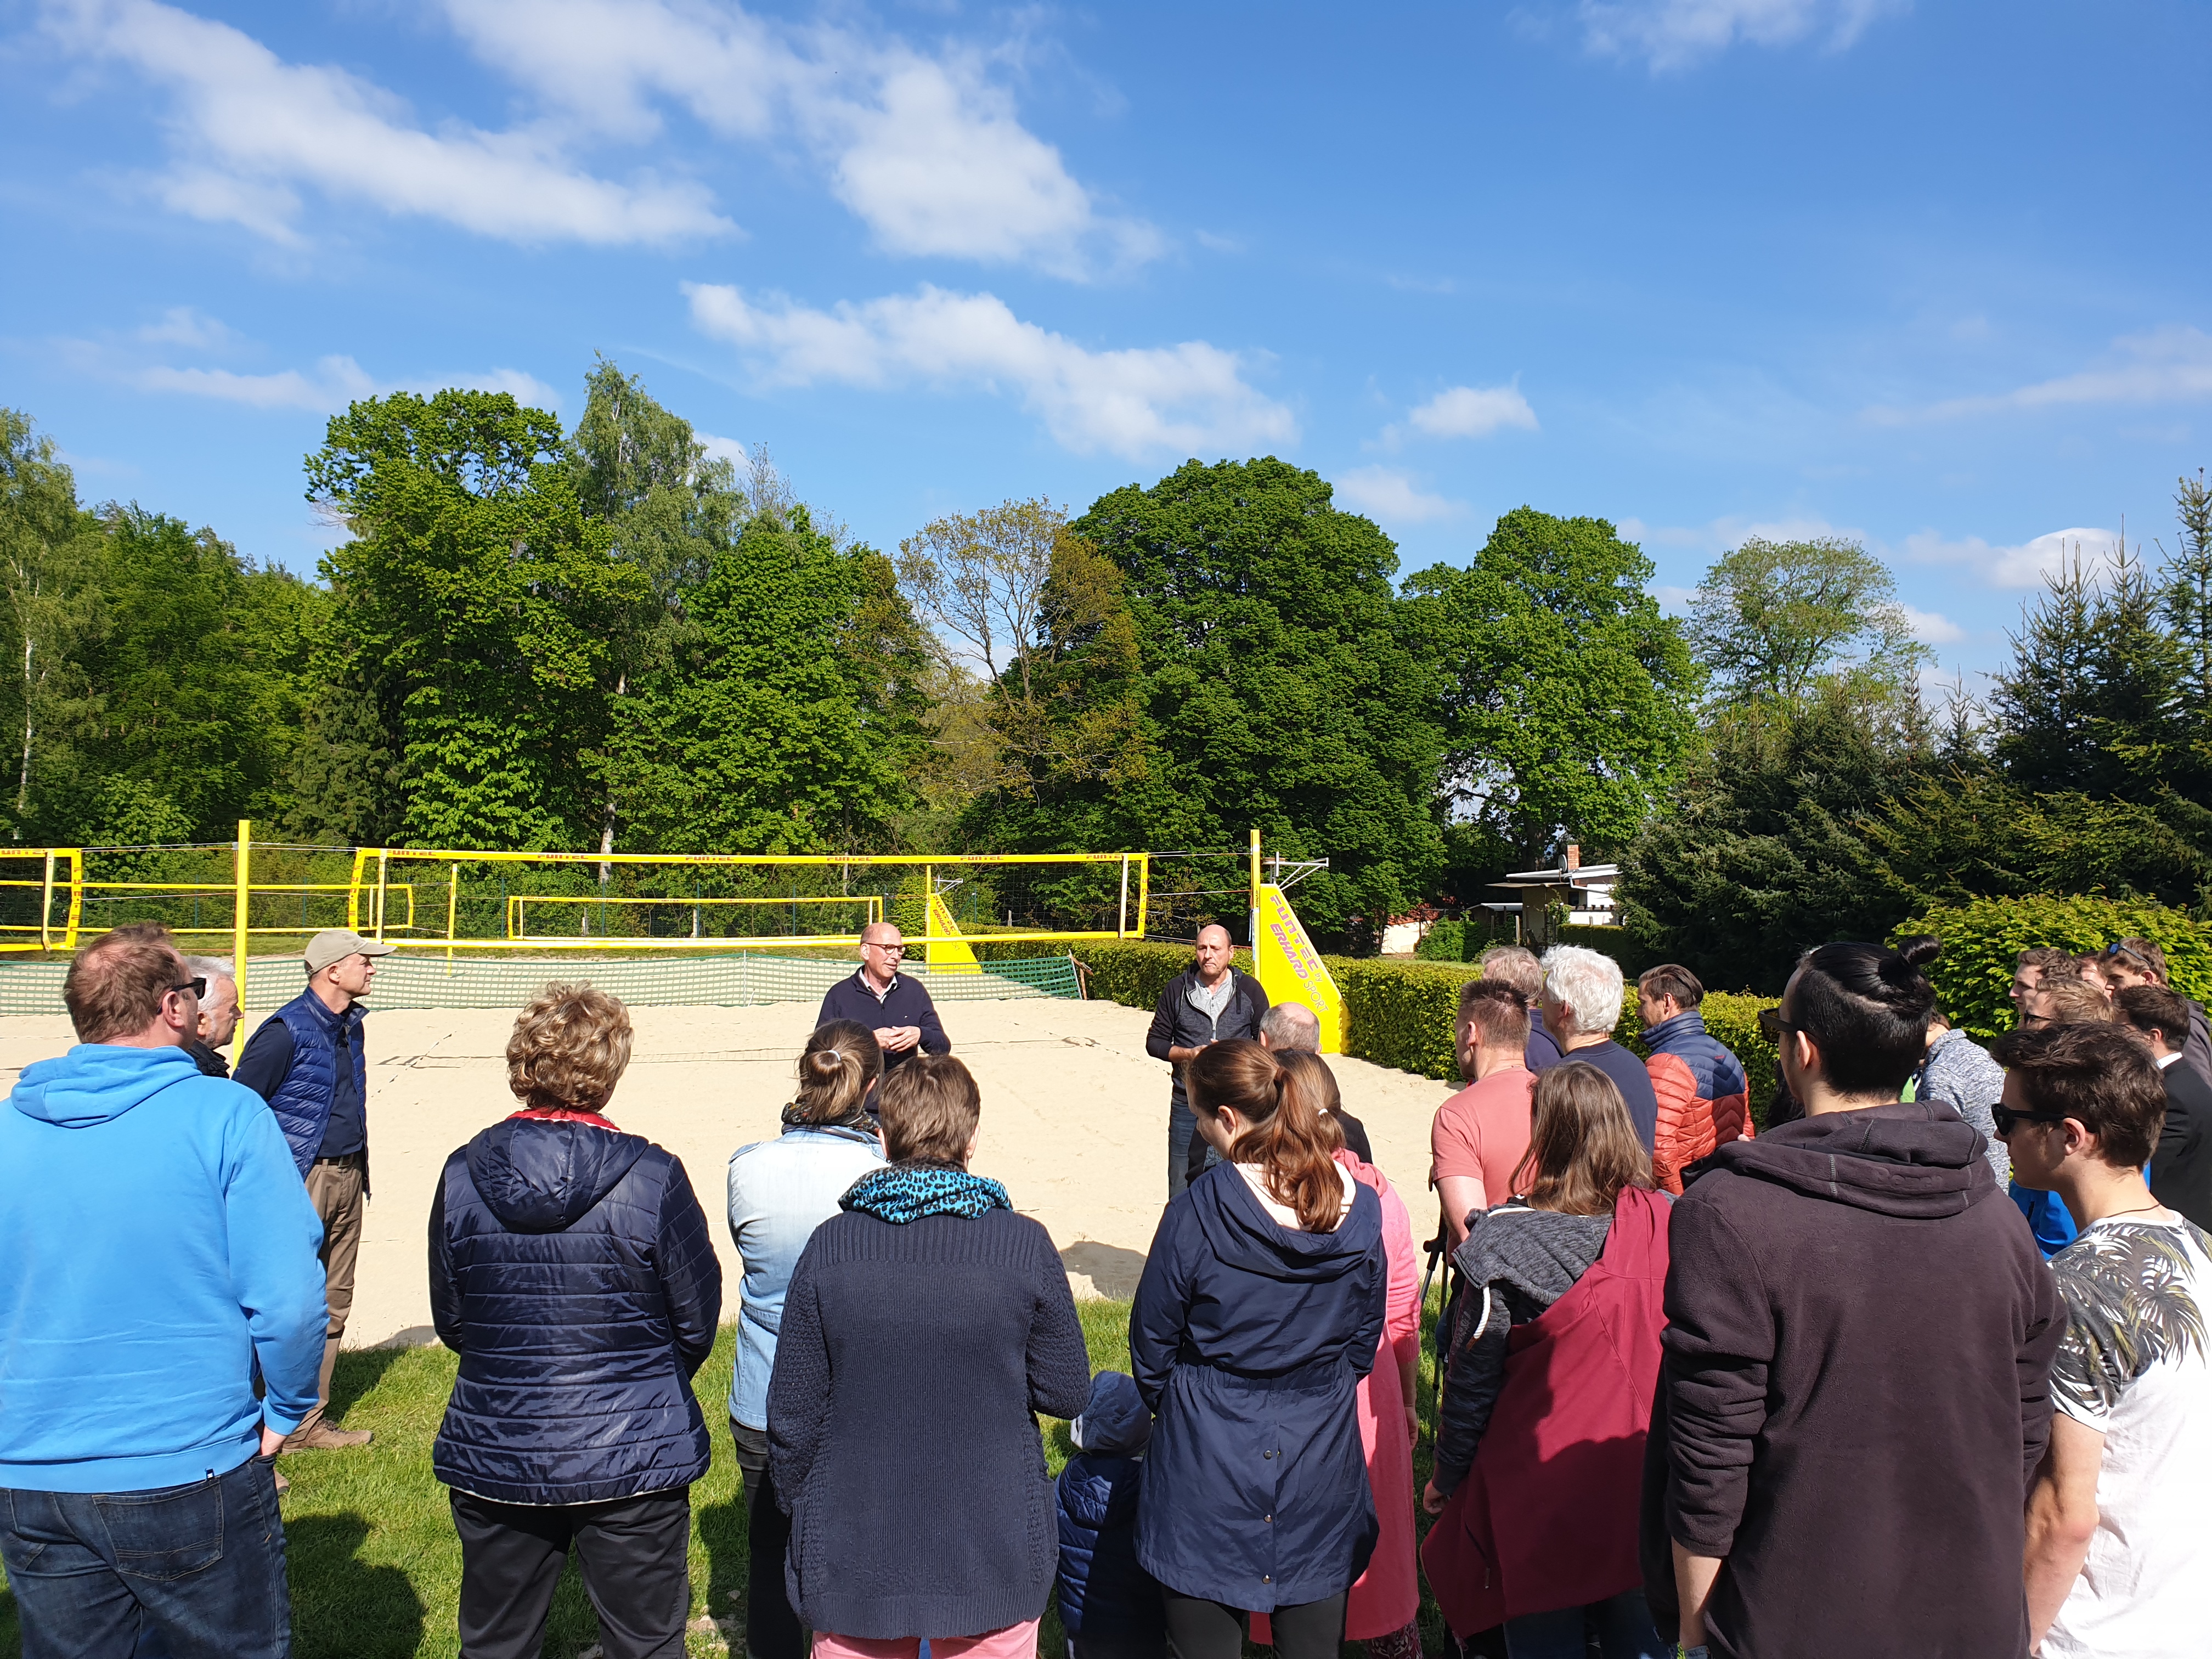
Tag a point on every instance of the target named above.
point(1387, 1597)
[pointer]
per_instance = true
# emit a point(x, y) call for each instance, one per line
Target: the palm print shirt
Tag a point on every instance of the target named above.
point(2135, 1365)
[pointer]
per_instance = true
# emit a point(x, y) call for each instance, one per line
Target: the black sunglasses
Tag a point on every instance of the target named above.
point(196, 986)
point(1772, 1025)
point(2009, 1121)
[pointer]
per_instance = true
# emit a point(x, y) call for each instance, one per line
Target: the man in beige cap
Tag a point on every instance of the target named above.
point(309, 1061)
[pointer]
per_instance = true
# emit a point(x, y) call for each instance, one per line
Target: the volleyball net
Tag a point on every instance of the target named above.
point(477, 929)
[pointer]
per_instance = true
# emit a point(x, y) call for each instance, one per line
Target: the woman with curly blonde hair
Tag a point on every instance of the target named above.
point(572, 1271)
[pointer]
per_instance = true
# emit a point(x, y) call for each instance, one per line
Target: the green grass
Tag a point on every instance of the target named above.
point(376, 1569)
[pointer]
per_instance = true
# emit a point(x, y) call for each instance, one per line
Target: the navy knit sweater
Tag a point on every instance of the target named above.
point(901, 1426)
point(907, 1003)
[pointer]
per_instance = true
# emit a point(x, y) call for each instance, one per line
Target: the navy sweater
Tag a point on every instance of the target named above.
point(900, 1422)
point(907, 1003)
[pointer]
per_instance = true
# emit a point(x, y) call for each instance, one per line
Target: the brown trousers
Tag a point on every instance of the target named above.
point(337, 1188)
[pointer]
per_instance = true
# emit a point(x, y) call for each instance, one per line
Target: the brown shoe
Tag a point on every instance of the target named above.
point(323, 1437)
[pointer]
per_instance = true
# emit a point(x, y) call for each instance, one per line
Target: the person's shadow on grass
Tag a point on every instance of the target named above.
point(724, 1531)
point(342, 1606)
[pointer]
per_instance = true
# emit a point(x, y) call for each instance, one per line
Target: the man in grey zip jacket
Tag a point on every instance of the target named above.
point(1210, 1002)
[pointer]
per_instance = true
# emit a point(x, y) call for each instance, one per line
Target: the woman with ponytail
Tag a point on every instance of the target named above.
point(781, 1191)
point(1259, 1311)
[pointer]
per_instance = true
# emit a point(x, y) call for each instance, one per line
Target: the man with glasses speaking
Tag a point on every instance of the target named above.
point(895, 1006)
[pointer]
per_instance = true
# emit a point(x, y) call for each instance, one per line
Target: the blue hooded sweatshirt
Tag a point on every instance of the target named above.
point(156, 1241)
point(1104, 1592)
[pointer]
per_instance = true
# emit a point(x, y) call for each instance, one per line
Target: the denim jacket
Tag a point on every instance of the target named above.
point(780, 1191)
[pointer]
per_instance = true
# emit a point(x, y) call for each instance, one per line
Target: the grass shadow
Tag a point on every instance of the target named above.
point(726, 1536)
point(358, 1372)
point(342, 1604)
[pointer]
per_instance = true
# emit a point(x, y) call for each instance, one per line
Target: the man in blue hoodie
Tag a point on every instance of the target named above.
point(155, 1247)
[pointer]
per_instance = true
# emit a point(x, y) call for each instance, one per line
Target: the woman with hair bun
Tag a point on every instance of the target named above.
point(1259, 1311)
point(779, 1191)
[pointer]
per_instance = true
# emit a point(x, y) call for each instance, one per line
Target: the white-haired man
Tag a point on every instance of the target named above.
point(219, 1013)
point(1294, 1028)
point(1582, 1001)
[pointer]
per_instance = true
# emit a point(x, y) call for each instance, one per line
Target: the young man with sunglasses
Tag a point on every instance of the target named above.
point(1854, 1390)
point(2118, 1554)
point(153, 1234)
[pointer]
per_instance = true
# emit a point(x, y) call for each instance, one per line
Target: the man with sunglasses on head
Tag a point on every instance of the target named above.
point(1855, 1388)
point(309, 1061)
point(895, 1006)
point(2118, 1555)
point(2139, 962)
point(153, 1234)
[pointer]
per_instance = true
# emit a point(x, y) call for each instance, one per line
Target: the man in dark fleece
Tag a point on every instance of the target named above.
point(1856, 1388)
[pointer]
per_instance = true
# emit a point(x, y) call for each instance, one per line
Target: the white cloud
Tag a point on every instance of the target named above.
point(1672, 34)
point(1187, 398)
point(1733, 530)
point(184, 326)
point(927, 150)
point(2026, 565)
point(1932, 627)
point(1470, 412)
point(250, 130)
point(1391, 495)
point(722, 449)
point(2170, 364)
point(332, 383)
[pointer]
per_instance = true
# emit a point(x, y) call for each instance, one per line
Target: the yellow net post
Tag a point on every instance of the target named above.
point(453, 914)
point(240, 907)
point(47, 904)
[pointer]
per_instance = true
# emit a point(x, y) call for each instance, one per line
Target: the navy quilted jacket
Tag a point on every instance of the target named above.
point(572, 1271)
point(1104, 1592)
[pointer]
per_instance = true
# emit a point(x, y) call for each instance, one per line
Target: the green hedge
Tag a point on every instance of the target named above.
point(1983, 941)
point(1401, 1014)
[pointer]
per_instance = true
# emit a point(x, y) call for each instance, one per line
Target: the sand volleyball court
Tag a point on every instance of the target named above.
point(1074, 1122)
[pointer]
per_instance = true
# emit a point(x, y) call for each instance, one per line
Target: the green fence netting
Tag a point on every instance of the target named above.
point(740, 979)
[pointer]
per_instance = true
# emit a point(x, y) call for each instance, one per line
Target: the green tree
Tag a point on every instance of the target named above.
point(1568, 696)
point(478, 607)
point(47, 564)
point(1771, 619)
point(1761, 851)
point(2091, 700)
point(1283, 685)
point(759, 735)
point(1013, 590)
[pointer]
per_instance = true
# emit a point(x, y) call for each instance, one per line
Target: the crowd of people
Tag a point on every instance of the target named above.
point(1918, 1363)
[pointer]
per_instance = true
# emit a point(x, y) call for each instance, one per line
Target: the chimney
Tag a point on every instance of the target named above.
point(1574, 856)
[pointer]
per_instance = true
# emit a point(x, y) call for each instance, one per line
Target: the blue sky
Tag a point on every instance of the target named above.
point(1929, 276)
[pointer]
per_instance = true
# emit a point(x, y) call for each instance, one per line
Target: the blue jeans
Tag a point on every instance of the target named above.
point(194, 1572)
point(1183, 1126)
point(1621, 1622)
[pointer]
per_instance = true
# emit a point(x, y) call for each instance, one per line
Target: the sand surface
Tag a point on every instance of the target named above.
point(1074, 1122)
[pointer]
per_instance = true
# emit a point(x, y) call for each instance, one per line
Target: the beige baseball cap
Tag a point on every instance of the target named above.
point(337, 944)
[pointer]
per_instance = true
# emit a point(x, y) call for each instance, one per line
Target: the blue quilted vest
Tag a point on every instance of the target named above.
point(302, 1101)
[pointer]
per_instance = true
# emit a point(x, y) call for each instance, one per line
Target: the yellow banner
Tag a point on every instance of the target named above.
point(1290, 970)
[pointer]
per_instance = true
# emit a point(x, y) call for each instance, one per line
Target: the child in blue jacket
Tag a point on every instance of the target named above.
point(1108, 1605)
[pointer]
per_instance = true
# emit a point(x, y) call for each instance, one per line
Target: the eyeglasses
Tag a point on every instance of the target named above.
point(196, 986)
point(2123, 952)
point(888, 950)
point(1772, 1025)
point(2009, 1121)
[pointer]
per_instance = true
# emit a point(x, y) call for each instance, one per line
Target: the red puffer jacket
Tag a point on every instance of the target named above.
point(1703, 1100)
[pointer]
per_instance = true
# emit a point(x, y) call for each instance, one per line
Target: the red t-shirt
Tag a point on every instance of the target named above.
point(1482, 1132)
